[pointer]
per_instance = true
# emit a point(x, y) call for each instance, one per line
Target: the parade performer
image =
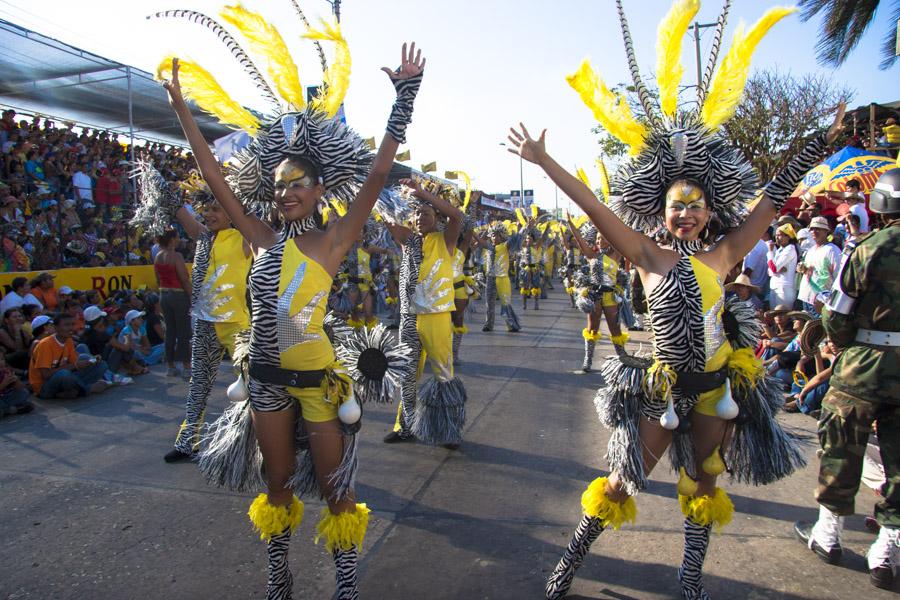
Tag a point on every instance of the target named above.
point(222, 261)
point(437, 413)
point(495, 260)
point(531, 267)
point(461, 288)
point(599, 297)
point(863, 317)
point(297, 387)
point(703, 394)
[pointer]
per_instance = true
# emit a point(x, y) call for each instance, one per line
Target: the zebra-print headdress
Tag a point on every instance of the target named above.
point(666, 144)
point(292, 126)
point(588, 232)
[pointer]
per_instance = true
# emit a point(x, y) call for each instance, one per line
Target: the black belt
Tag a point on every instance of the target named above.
point(689, 382)
point(286, 377)
point(355, 280)
point(459, 284)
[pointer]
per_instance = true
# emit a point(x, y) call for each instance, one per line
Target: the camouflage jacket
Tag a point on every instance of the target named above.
point(872, 276)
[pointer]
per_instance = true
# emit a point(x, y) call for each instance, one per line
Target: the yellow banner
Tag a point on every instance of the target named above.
point(106, 280)
point(429, 167)
point(450, 175)
point(370, 143)
point(403, 156)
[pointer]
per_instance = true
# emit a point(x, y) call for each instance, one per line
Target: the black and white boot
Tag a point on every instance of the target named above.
point(280, 582)
point(346, 584)
point(560, 580)
point(457, 341)
point(696, 542)
point(588, 355)
point(882, 558)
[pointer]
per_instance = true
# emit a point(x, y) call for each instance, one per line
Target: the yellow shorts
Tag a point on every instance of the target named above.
point(504, 290)
point(706, 403)
point(608, 299)
point(226, 332)
point(459, 293)
point(313, 404)
point(364, 287)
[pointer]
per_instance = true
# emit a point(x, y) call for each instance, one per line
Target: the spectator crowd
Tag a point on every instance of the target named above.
point(65, 195)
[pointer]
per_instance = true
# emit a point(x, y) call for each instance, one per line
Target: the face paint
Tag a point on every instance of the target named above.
point(685, 196)
point(288, 176)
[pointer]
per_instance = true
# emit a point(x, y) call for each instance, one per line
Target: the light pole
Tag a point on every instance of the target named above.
point(521, 180)
point(555, 198)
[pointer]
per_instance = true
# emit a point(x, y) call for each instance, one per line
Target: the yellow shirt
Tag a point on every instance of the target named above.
point(718, 349)
point(459, 260)
point(223, 297)
point(434, 290)
point(364, 271)
point(500, 267)
point(302, 301)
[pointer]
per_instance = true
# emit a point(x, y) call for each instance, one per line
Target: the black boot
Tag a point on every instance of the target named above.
point(560, 580)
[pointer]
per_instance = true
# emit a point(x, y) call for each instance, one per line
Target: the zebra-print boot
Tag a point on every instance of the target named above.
point(346, 585)
point(588, 355)
point(280, 582)
point(696, 541)
point(560, 580)
point(457, 341)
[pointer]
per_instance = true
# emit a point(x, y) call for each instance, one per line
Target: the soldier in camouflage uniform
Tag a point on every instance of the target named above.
point(863, 317)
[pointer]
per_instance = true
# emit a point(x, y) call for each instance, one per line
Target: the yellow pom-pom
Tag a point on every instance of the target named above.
point(745, 369)
point(523, 291)
point(271, 520)
point(343, 530)
point(595, 504)
point(619, 340)
point(535, 292)
point(704, 510)
point(591, 336)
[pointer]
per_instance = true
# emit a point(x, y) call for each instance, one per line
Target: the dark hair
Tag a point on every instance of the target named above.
point(37, 331)
point(853, 183)
point(18, 282)
point(854, 219)
point(9, 311)
point(166, 237)
point(60, 317)
point(28, 310)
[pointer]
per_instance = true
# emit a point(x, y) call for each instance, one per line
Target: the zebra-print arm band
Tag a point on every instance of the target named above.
point(781, 188)
point(401, 114)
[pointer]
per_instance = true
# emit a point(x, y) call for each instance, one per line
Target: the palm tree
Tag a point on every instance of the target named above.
point(845, 23)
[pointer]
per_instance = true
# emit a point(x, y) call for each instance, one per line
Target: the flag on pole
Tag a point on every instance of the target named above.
point(402, 156)
point(429, 167)
point(370, 143)
point(450, 175)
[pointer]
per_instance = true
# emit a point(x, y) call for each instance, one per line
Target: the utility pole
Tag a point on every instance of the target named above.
point(336, 9)
point(697, 27)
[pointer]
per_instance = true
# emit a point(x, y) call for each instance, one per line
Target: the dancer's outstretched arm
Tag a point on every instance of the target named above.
point(453, 214)
point(640, 249)
point(735, 246)
point(406, 80)
point(253, 229)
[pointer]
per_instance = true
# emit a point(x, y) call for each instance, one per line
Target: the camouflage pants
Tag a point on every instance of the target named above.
point(843, 434)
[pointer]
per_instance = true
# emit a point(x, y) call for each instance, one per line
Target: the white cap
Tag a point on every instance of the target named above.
point(131, 315)
point(92, 313)
point(39, 320)
point(65, 290)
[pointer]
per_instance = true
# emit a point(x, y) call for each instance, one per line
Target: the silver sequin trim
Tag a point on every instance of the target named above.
point(713, 327)
point(292, 330)
point(211, 297)
point(429, 297)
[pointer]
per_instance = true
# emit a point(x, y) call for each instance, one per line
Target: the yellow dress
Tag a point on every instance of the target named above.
point(303, 344)
point(718, 349)
point(225, 286)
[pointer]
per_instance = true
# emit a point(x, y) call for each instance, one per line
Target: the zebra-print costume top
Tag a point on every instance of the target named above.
point(265, 275)
point(201, 263)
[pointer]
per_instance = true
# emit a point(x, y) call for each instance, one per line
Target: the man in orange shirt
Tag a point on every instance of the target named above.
point(43, 290)
point(56, 371)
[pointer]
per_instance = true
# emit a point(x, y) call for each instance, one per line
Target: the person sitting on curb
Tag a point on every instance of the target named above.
point(807, 398)
point(57, 372)
point(13, 395)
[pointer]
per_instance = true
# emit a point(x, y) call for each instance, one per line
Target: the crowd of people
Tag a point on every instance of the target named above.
point(66, 195)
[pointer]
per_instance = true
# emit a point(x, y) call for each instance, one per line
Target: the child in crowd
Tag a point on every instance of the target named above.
point(13, 395)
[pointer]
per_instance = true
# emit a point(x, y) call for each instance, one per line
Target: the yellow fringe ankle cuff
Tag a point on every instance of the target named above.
point(535, 292)
point(705, 510)
point(344, 530)
point(595, 504)
point(591, 336)
point(619, 340)
point(271, 520)
point(372, 323)
point(523, 291)
point(462, 330)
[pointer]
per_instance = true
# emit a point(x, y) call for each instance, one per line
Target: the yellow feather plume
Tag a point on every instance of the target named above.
point(339, 207)
point(668, 52)
point(580, 220)
point(337, 79)
point(520, 215)
point(201, 87)
point(611, 110)
point(604, 180)
point(468, 194)
point(727, 86)
point(265, 41)
point(583, 178)
point(534, 211)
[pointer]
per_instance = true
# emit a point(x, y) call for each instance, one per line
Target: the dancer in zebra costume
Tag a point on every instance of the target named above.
point(703, 394)
point(495, 259)
point(437, 413)
point(600, 296)
point(303, 412)
point(461, 287)
point(531, 268)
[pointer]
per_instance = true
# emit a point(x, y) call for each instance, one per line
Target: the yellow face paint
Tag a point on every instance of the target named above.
point(288, 175)
point(685, 196)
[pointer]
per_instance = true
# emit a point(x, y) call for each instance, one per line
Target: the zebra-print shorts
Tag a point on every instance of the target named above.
point(267, 397)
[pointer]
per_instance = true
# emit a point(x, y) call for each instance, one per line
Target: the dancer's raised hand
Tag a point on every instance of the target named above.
point(172, 85)
point(525, 146)
point(411, 64)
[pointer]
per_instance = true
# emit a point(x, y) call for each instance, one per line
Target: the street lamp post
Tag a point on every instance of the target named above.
point(555, 198)
point(521, 179)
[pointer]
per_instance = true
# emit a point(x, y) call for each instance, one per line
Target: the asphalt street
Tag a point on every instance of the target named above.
point(91, 511)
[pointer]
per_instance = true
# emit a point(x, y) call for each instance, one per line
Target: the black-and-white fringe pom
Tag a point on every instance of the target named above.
point(230, 455)
point(376, 363)
point(157, 201)
point(742, 327)
point(440, 412)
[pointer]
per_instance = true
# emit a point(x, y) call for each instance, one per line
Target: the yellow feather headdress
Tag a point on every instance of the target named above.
point(337, 77)
point(669, 69)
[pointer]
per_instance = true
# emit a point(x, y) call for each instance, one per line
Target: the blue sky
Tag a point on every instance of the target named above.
point(491, 63)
